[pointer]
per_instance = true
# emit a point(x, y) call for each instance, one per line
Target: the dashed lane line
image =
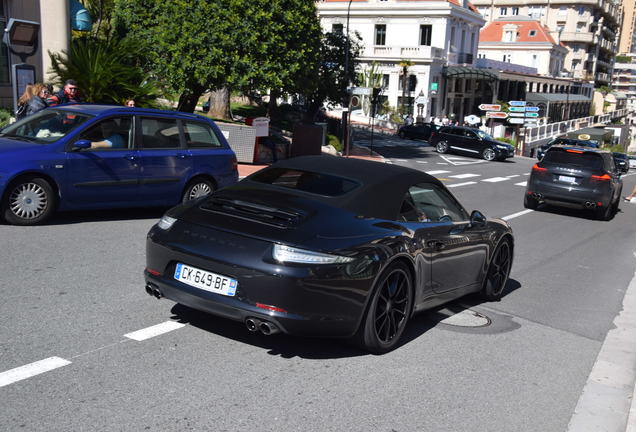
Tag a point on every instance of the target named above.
point(524, 183)
point(495, 179)
point(32, 369)
point(461, 184)
point(437, 172)
point(513, 176)
point(463, 176)
point(422, 162)
point(156, 330)
point(516, 215)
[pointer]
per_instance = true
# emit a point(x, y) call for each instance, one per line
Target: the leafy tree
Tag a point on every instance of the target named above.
point(105, 71)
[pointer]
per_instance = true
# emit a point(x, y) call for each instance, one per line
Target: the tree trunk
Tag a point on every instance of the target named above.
point(189, 99)
point(272, 106)
point(220, 104)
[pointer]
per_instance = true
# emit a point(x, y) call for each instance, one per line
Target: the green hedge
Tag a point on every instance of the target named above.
point(335, 142)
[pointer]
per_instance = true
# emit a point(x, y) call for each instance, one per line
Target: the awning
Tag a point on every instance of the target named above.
point(469, 72)
point(556, 97)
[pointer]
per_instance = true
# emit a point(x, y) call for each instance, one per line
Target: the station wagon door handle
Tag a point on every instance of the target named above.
point(182, 155)
point(130, 157)
point(435, 244)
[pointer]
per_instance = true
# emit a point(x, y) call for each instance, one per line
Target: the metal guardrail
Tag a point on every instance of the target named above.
point(537, 133)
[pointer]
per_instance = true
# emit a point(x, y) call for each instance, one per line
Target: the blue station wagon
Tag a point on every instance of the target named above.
point(81, 156)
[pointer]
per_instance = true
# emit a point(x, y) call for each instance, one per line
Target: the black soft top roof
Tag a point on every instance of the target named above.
point(381, 186)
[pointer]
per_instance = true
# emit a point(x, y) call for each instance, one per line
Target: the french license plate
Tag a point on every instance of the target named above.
point(205, 280)
point(567, 179)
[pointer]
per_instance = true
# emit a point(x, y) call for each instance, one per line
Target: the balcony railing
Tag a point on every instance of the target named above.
point(586, 37)
point(399, 52)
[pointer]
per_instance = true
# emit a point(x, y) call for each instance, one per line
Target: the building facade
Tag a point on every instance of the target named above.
point(627, 40)
point(587, 28)
point(437, 39)
point(55, 36)
point(624, 81)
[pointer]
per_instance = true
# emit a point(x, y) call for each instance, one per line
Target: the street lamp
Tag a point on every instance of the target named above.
point(345, 108)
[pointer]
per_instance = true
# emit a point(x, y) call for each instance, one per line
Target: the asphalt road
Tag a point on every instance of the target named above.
point(73, 289)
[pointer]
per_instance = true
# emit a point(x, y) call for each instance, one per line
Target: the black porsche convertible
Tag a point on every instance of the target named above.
point(327, 246)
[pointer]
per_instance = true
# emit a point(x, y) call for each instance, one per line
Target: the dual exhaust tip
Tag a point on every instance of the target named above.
point(265, 327)
point(590, 205)
point(537, 196)
point(153, 290)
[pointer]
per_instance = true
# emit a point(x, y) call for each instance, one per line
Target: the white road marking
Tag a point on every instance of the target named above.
point(513, 176)
point(31, 369)
point(514, 215)
point(460, 184)
point(460, 161)
point(463, 176)
point(607, 396)
point(521, 184)
point(421, 161)
point(400, 160)
point(156, 330)
point(442, 163)
point(495, 179)
point(437, 172)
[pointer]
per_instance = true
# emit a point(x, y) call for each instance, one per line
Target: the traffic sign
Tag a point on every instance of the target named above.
point(516, 114)
point(531, 114)
point(364, 91)
point(532, 120)
point(517, 103)
point(517, 109)
point(490, 107)
point(533, 109)
point(496, 114)
point(516, 120)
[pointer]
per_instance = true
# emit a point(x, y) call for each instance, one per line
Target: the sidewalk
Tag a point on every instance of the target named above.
point(245, 169)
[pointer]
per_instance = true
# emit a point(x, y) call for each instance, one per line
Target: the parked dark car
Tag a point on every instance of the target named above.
point(564, 141)
point(576, 177)
point(421, 131)
point(621, 161)
point(472, 142)
point(321, 245)
point(49, 161)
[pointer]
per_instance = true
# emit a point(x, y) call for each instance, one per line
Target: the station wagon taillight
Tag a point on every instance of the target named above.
point(602, 177)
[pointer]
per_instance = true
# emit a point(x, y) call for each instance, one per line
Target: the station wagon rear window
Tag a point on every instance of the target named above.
point(306, 181)
point(583, 159)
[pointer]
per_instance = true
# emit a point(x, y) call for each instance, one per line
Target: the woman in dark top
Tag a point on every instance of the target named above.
point(38, 101)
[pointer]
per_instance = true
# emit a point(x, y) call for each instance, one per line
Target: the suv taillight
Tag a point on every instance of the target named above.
point(602, 177)
point(537, 168)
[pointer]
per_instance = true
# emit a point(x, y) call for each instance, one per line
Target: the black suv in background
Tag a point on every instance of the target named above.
point(469, 141)
point(564, 141)
point(621, 161)
point(419, 130)
point(576, 177)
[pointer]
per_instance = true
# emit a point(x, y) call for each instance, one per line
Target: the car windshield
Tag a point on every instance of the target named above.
point(318, 183)
point(483, 135)
point(45, 127)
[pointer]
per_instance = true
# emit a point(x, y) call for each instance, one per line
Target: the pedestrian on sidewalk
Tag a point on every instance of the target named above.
point(629, 197)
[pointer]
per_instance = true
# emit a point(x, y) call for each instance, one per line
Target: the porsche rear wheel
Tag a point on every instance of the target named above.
point(498, 272)
point(388, 310)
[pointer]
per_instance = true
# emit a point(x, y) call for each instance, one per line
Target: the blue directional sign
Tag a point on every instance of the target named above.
point(533, 109)
point(517, 103)
point(516, 109)
point(531, 114)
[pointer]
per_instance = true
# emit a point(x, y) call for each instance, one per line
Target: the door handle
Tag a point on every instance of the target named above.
point(435, 244)
point(182, 155)
point(130, 157)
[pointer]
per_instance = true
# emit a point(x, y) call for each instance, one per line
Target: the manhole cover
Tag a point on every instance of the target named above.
point(463, 318)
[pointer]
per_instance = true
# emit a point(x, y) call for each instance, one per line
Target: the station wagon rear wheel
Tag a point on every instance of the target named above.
point(29, 202)
point(442, 147)
point(388, 310)
point(498, 272)
point(197, 188)
point(488, 154)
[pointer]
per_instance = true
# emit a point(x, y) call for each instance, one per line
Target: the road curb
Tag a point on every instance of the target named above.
point(607, 398)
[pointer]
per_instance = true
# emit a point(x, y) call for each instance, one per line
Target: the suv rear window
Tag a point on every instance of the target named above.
point(306, 181)
point(593, 161)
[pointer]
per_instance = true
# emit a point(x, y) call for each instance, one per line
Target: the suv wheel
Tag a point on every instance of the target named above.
point(488, 154)
point(442, 147)
point(530, 203)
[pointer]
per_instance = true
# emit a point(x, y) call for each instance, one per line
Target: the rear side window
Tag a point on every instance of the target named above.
point(306, 181)
point(159, 133)
point(591, 161)
point(199, 135)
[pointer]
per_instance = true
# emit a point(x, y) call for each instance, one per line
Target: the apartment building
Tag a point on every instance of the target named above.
point(624, 81)
point(627, 40)
point(587, 28)
point(439, 40)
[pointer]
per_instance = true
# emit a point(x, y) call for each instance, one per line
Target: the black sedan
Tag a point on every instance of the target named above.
point(327, 246)
point(421, 131)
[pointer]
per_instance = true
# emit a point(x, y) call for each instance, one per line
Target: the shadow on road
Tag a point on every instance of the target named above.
point(74, 217)
point(289, 347)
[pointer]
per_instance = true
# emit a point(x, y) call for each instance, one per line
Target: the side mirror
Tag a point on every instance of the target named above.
point(477, 219)
point(81, 145)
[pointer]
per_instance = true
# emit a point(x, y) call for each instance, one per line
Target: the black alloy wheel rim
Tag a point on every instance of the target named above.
point(391, 308)
point(442, 146)
point(499, 268)
point(489, 154)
